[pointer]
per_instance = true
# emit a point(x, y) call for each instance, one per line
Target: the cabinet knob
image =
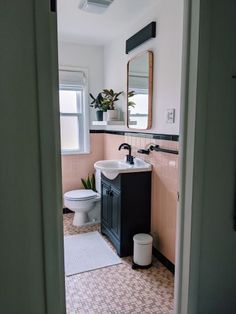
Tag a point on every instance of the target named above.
point(109, 192)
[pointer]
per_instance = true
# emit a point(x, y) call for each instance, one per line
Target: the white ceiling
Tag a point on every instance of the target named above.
point(75, 25)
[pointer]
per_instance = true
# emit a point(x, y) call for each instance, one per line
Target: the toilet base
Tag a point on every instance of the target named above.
point(80, 219)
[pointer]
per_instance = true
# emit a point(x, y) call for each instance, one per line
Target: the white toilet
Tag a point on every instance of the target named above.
point(82, 202)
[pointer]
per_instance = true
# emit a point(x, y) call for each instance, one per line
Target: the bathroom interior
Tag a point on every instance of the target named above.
point(120, 93)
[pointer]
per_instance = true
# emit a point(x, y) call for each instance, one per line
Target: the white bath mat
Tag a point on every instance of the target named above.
point(87, 251)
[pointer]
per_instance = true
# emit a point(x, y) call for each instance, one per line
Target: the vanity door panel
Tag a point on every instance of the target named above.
point(105, 208)
point(115, 212)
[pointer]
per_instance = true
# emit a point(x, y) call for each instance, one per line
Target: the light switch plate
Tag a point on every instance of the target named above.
point(170, 116)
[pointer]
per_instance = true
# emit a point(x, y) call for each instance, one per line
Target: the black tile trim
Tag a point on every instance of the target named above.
point(96, 131)
point(168, 264)
point(115, 132)
point(166, 137)
point(67, 211)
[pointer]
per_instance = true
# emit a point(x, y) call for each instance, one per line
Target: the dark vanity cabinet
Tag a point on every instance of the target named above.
point(126, 209)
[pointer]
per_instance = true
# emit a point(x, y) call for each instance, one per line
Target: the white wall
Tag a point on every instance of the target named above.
point(89, 57)
point(167, 48)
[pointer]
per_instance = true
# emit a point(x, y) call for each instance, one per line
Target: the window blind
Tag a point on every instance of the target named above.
point(72, 78)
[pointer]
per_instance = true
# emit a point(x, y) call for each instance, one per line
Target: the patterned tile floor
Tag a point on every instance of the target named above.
point(118, 289)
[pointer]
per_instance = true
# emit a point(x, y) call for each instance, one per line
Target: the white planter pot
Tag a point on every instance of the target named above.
point(104, 116)
point(112, 115)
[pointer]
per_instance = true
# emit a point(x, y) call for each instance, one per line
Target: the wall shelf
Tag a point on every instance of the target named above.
point(115, 122)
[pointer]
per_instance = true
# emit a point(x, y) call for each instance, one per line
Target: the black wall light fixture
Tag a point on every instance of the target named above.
point(140, 37)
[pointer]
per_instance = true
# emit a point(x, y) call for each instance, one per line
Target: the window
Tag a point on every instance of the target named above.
point(73, 112)
point(138, 116)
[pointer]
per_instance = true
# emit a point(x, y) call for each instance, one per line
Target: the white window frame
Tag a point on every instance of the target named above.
point(139, 91)
point(83, 116)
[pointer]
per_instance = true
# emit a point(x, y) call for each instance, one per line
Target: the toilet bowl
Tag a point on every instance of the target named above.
point(81, 202)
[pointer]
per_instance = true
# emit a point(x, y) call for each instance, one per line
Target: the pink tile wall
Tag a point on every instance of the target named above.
point(75, 167)
point(111, 144)
point(164, 180)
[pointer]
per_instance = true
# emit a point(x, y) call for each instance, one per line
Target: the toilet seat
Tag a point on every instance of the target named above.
point(80, 195)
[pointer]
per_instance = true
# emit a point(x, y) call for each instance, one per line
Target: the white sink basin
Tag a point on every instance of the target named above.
point(111, 168)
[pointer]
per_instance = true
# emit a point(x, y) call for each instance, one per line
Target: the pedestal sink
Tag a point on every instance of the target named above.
point(112, 168)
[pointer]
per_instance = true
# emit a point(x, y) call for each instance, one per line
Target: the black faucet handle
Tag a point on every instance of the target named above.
point(124, 146)
point(130, 159)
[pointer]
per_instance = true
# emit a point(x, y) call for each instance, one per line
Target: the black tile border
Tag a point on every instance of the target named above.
point(96, 131)
point(168, 264)
point(156, 136)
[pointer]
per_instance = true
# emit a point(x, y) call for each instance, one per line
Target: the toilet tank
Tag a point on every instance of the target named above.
point(98, 180)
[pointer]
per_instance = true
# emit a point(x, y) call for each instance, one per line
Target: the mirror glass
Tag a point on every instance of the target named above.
point(139, 91)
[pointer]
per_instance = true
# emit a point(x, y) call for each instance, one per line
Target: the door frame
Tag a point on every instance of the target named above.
point(45, 23)
point(188, 224)
point(192, 151)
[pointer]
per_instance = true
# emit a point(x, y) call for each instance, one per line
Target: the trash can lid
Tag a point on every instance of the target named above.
point(142, 238)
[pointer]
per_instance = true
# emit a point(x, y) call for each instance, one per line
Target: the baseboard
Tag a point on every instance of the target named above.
point(168, 264)
point(67, 211)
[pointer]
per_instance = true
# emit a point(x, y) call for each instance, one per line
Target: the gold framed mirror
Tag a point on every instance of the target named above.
point(140, 91)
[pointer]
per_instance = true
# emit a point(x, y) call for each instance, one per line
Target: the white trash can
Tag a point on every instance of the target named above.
point(142, 250)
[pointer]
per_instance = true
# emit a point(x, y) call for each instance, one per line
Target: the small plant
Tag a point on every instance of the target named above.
point(131, 104)
point(98, 102)
point(109, 98)
point(89, 183)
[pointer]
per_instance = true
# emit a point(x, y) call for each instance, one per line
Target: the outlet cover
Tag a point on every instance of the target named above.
point(170, 116)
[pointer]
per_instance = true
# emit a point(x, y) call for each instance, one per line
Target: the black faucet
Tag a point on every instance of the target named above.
point(129, 157)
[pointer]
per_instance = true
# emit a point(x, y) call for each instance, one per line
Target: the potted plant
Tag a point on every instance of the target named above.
point(109, 99)
point(98, 103)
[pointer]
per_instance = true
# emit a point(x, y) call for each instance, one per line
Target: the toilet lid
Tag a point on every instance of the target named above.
point(80, 195)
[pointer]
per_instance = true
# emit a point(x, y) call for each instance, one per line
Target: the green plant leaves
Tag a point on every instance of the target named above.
point(93, 183)
point(89, 183)
point(105, 100)
point(97, 103)
point(84, 183)
point(131, 93)
point(110, 97)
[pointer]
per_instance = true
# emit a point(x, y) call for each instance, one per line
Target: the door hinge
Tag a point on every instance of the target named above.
point(53, 5)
